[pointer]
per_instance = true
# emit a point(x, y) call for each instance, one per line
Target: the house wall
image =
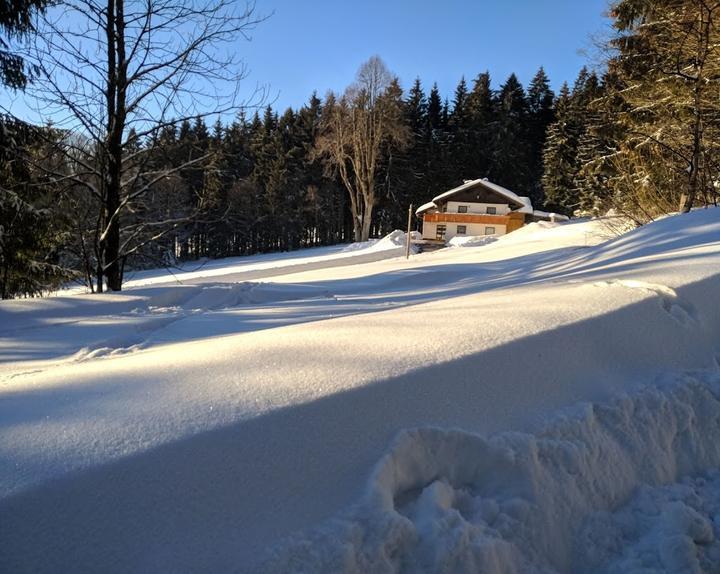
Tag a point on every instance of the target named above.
point(473, 229)
point(430, 229)
point(502, 208)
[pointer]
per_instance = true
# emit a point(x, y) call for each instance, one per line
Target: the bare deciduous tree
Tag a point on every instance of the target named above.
point(355, 129)
point(115, 73)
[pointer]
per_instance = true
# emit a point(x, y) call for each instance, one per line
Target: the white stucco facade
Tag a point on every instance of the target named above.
point(451, 229)
point(478, 208)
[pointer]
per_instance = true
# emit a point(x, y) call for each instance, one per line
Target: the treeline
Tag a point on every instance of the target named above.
point(259, 183)
point(262, 185)
point(641, 138)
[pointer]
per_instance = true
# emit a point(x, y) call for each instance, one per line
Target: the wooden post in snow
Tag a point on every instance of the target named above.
point(407, 237)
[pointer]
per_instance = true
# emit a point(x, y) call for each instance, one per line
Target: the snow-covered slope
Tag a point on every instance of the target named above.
point(192, 426)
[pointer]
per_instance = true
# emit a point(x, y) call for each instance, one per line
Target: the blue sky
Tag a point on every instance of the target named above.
point(318, 45)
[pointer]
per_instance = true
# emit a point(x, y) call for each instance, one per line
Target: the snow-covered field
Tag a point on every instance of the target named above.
point(547, 402)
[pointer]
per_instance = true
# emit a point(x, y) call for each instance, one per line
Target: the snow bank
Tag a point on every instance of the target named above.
point(267, 265)
point(471, 240)
point(449, 500)
point(392, 241)
point(238, 426)
point(86, 327)
point(673, 528)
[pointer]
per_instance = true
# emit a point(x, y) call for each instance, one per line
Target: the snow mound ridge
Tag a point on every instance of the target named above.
point(673, 528)
point(449, 500)
point(471, 240)
point(683, 311)
point(395, 240)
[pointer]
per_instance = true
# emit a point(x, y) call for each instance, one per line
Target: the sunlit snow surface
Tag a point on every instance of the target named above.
point(232, 417)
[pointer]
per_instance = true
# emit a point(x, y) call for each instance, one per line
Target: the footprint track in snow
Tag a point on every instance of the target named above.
point(166, 309)
point(679, 309)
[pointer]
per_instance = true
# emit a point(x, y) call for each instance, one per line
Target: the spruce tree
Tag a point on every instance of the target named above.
point(597, 144)
point(31, 231)
point(16, 21)
point(511, 162)
point(395, 175)
point(324, 199)
point(570, 145)
point(560, 162)
point(483, 118)
point(541, 114)
point(436, 143)
point(666, 58)
point(460, 141)
point(416, 118)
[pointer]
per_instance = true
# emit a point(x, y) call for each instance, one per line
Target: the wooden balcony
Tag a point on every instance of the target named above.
point(512, 220)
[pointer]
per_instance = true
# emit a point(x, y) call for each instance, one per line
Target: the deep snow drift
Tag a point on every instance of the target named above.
point(451, 501)
point(193, 426)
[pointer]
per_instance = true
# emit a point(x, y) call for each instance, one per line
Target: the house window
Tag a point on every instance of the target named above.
point(462, 208)
point(489, 231)
point(491, 210)
point(461, 229)
point(440, 231)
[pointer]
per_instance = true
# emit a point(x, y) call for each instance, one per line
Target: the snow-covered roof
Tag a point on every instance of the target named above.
point(523, 203)
point(527, 204)
point(550, 215)
point(425, 207)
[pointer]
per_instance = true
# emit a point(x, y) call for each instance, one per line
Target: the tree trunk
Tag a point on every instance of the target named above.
point(4, 290)
point(357, 228)
point(100, 275)
point(694, 170)
point(116, 127)
point(367, 221)
point(112, 240)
